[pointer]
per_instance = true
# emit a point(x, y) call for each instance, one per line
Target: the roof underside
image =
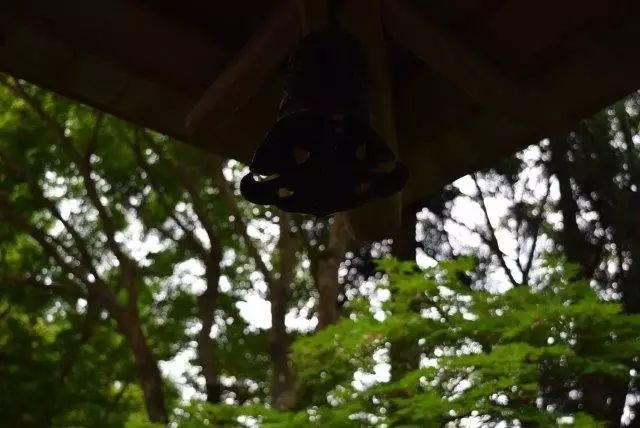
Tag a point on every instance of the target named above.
point(471, 80)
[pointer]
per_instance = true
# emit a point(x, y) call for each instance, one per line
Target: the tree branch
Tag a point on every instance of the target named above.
point(536, 233)
point(49, 205)
point(30, 281)
point(192, 241)
point(240, 225)
point(189, 183)
point(90, 320)
point(207, 301)
point(519, 221)
point(85, 170)
point(49, 245)
point(93, 141)
point(54, 127)
point(493, 241)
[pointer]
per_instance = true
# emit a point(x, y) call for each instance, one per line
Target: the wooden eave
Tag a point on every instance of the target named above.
point(468, 81)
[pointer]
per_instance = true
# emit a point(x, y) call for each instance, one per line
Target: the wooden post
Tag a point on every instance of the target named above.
point(381, 218)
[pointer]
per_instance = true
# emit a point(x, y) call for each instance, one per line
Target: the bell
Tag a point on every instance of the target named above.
point(322, 155)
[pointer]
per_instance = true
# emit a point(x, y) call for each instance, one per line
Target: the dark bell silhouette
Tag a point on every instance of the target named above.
point(322, 155)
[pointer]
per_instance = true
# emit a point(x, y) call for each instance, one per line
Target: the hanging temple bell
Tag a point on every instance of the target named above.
point(322, 156)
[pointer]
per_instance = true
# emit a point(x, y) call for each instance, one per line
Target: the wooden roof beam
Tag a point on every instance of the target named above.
point(258, 61)
point(313, 15)
point(35, 57)
point(588, 77)
point(130, 34)
point(474, 77)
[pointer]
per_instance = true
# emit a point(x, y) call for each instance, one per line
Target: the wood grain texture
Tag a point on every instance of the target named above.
point(249, 70)
point(150, 62)
point(379, 218)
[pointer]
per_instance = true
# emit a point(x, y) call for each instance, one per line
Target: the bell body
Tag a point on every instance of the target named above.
point(322, 155)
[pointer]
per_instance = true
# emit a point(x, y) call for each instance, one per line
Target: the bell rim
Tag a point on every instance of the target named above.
point(283, 127)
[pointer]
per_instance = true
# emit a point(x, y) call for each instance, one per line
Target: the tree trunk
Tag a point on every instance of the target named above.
point(573, 242)
point(207, 303)
point(602, 396)
point(404, 355)
point(148, 372)
point(327, 271)
point(404, 245)
point(279, 295)
point(628, 234)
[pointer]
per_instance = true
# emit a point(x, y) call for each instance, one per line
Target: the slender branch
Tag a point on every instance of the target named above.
point(279, 292)
point(241, 225)
point(482, 237)
point(519, 221)
point(520, 242)
point(120, 394)
point(90, 320)
point(30, 281)
point(313, 253)
point(128, 268)
point(207, 301)
point(67, 145)
point(627, 133)
point(216, 247)
point(536, 233)
point(328, 265)
point(105, 217)
point(452, 253)
point(192, 241)
point(54, 127)
point(493, 240)
point(93, 141)
point(190, 186)
point(48, 243)
point(49, 205)
point(214, 242)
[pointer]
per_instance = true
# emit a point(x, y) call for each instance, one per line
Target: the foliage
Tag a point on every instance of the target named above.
point(483, 355)
point(121, 250)
point(96, 218)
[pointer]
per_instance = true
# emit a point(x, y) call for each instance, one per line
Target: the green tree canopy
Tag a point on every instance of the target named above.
point(138, 288)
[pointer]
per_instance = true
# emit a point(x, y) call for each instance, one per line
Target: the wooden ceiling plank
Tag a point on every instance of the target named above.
point(129, 33)
point(594, 77)
point(239, 136)
point(47, 62)
point(313, 15)
point(474, 77)
point(230, 23)
point(248, 71)
point(521, 29)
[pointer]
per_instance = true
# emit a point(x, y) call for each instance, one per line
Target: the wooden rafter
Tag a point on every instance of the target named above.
point(132, 33)
point(248, 71)
point(241, 103)
point(255, 64)
point(312, 15)
point(25, 52)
